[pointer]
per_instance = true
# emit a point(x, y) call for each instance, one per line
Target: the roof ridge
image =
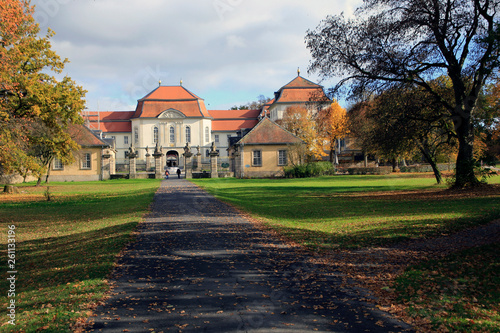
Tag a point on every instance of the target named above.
point(303, 78)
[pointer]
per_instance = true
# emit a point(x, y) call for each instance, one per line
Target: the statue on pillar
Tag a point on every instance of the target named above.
point(132, 153)
point(157, 149)
point(187, 150)
point(213, 150)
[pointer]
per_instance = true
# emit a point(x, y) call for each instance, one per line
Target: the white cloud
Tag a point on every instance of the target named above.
point(119, 49)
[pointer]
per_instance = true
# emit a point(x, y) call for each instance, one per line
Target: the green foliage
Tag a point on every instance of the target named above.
point(314, 169)
point(482, 174)
point(35, 107)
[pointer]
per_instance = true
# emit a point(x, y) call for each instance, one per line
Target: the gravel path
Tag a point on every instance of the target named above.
point(200, 266)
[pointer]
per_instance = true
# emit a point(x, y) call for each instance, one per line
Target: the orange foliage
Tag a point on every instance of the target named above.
point(298, 121)
point(332, 123)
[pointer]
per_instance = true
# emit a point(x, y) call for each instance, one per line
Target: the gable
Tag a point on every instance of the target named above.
point(171, 113)
point(268, 132)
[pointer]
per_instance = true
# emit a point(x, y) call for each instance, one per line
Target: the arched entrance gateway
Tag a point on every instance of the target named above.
point(172, 159)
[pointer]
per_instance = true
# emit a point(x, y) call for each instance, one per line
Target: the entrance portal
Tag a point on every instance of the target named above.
point(172, 159)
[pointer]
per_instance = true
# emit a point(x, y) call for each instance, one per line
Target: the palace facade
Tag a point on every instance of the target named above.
point(172, 117)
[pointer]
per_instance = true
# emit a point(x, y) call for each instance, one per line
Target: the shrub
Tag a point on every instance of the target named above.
point(314, 169)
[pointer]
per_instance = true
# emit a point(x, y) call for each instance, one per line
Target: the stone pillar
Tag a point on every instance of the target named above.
point(132, 173)
point(237, 164)
point(188, 166)
point(112, 162)
point(148, 160)
point(106, 166)
point(132, 170)
point(198, 159)
point(213, 162)
point(158, 154)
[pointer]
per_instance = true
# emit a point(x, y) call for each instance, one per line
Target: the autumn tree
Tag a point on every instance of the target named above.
point(488, 122)
point(30, 97)
point(299, 121)
point(408, 118)
point(332, 125)
point(414, 41)
point(378, 133)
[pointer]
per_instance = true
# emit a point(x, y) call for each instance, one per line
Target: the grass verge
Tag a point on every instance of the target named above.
point(66, 248)
point(356, 211)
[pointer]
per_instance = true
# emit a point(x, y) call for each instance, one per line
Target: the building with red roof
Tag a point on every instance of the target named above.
point(173, 116)
point(298, 92)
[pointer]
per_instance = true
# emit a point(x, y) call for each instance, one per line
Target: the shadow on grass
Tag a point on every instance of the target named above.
point(74, 209)
point(346, 236)
point(302, 204)
point(48, 262)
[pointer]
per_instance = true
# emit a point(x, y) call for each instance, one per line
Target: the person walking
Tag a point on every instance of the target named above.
point(178, 173)
point(167, 174)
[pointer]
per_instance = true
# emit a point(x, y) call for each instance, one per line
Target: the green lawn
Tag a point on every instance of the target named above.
point(66, 248)
point(460, 293)
point(353, 211)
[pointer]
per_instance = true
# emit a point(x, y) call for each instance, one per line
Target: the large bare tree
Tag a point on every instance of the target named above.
point(415, 41)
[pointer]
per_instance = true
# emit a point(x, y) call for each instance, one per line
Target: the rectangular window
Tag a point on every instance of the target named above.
point(58, 165)
point(282, 157)
point(188, 134)
point(125, 140)
point(86, 161)
point(207, 134)
point(257, 158)
point(216, 138)
point(136, 135)
point(155, 134)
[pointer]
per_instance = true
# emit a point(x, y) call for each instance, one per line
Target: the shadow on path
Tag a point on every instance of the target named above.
point(199, 266)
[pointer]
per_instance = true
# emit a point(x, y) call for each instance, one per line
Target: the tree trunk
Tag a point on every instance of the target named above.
point(39, 181)
point(429, 157)
point(394, 165)
point(464, 173)
point(48, 170)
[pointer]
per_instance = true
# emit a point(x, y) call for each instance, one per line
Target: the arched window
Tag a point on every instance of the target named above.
point(188, 134)
point(172, 134)
point(155, 134)
point(207, 134)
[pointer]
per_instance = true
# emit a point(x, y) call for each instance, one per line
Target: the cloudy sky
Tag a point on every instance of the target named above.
point(228, 52)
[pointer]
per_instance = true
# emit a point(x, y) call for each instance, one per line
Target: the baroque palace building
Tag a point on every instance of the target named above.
point(172, 117)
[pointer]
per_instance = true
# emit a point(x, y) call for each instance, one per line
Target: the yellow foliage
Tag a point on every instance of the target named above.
point(332, 124)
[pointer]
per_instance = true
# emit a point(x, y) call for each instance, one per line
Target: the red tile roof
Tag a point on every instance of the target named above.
point(300, 90)
point(232, 125)
point(116, 115)
point(268, 132)
point(170, 97)
point(234, 114)
point(109, 121)
point(116, 126)
point(84, 137)
point(300, 82)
